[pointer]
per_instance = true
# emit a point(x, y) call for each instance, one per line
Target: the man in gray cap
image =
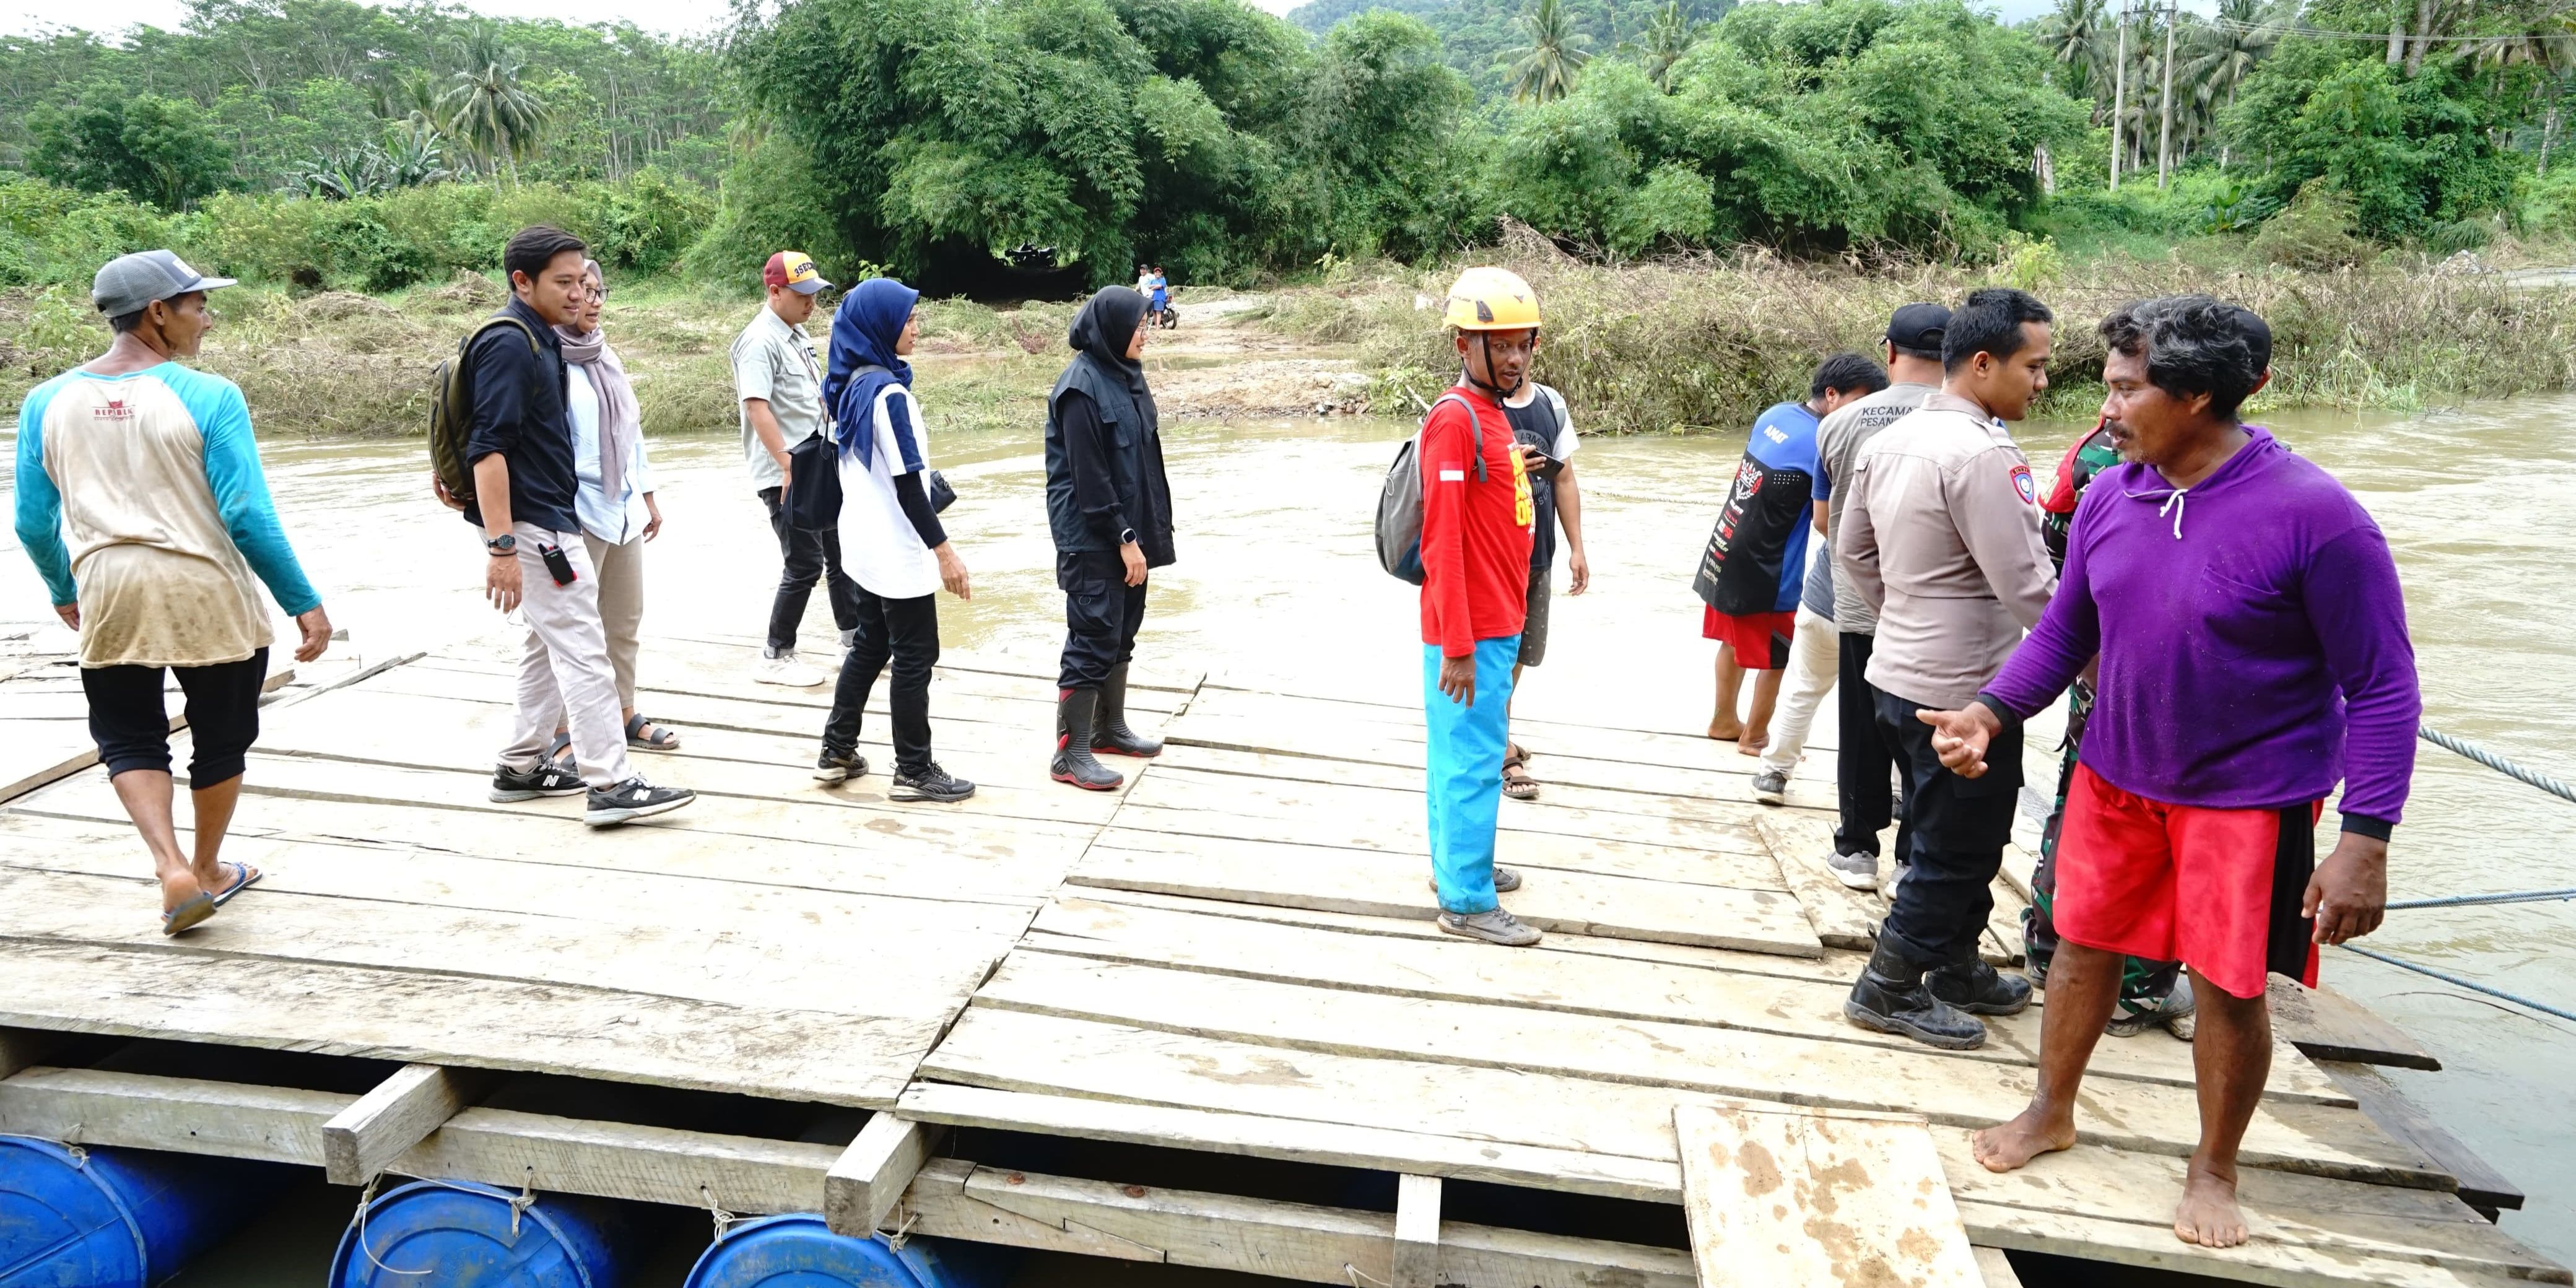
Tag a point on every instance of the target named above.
point(142, 504)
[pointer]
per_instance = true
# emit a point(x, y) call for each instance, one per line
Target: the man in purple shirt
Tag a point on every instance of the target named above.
point(2253, 652)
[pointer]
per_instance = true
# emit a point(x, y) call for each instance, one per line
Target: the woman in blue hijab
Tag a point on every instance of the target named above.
point(892, 544)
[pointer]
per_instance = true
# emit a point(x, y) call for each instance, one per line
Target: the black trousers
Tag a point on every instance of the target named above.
point(1960, 828)
point(807, 555)
point(906, 633)
point(1866, 761)
point(1101, 615)
point(132, 728)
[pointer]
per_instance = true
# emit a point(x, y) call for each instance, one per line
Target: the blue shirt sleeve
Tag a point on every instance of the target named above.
point(241, 488)
point(40, 503)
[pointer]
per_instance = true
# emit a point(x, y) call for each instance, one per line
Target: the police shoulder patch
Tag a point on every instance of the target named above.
point(2023, 483)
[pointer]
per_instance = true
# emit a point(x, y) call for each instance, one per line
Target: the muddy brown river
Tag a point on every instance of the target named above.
point(1277, 582)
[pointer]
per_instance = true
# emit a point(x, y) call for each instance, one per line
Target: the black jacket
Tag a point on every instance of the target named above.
point(1104, 461)
point(518, 411)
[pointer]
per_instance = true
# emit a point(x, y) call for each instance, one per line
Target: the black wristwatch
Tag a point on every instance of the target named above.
point(1126, 536)
point(504, 544)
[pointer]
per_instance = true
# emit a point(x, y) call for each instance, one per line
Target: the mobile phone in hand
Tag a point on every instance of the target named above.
point(1542, 466)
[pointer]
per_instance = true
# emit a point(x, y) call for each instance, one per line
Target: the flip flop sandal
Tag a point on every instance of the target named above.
point(249, 877)
point(662, 739)
point(188, 915)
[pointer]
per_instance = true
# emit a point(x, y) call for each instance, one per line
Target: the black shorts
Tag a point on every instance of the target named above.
point(132, 727)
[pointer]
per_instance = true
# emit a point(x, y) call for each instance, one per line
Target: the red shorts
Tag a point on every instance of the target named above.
point(2216, 889)
point(1760, 640)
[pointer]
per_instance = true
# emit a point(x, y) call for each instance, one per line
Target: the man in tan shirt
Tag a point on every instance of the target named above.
point(1941, 539)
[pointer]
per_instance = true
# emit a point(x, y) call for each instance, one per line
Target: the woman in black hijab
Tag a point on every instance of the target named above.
point(1110, 510)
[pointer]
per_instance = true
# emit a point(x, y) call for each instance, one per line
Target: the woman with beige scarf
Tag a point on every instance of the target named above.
point(614, 500)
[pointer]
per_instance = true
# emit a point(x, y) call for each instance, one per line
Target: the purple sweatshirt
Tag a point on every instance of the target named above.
point(2252, 636)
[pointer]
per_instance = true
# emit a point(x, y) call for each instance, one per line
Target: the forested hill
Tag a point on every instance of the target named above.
point(1475, 35)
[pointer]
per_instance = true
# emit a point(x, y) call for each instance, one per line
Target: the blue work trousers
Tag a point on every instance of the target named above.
point(1465, 788)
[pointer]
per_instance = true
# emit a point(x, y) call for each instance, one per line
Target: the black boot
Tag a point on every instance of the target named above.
point(1110, 734)
point(1890, 997)
point(1979, 989)
point(1075, 709)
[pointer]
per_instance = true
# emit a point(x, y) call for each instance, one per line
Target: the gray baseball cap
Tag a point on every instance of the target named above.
point(129, 282)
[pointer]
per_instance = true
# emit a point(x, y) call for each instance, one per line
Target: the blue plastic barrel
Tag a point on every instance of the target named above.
point(117, 1218)
point(801, 1252)
point(455, 1234)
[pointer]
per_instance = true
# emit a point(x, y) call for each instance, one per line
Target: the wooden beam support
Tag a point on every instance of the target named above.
point(182, 1115)
point(703, 1170)
point(401, 1112)
point(25, 1048)
point(1417, 1231)
point(955, 1199)
point(871, 1175)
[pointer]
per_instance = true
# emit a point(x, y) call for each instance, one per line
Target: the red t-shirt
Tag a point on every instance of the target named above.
point(1475, 535)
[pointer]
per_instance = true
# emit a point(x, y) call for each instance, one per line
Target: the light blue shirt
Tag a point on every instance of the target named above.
point(613, 519)
point(233, 475)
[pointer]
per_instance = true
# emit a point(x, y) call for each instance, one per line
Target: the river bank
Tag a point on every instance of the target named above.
point(1680, 345)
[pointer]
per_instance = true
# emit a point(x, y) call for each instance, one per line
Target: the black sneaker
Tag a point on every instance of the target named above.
point(840, 766)
point(545, 778)
point(929, 783)
point(633, 799)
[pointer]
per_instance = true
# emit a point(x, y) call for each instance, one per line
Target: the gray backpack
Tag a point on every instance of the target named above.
point(1399, 501)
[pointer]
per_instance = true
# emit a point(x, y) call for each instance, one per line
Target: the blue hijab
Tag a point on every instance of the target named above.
point(864, 332)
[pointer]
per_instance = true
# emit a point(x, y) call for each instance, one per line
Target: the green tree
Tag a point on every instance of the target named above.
point(2407, 153)
point(488, 108)
point(158, 149)
point(1671, 36)
point(2077, 37)
point(1546, 68)
point(2223, 53)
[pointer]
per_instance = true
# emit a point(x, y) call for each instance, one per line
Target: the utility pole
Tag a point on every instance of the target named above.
point(2164, 136)
point(2119, 95)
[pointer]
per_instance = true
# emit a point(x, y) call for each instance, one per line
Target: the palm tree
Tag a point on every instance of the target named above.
point(2223, 53)
point(2075, 34)
point(1669, 37)
point(2550, 48)
point(486, 106)
point(1544, 70)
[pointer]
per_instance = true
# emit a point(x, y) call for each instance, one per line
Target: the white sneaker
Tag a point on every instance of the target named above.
point(784, 669)
point(1895, 881)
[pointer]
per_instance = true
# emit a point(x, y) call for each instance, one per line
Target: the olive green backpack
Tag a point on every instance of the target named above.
point(451, 410)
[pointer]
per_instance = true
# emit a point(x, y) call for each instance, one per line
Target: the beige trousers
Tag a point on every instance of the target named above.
point(621, 607)
point(564, 675)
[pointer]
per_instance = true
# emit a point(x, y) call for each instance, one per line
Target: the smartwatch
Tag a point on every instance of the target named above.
point(504, 544)
point(1126, 536)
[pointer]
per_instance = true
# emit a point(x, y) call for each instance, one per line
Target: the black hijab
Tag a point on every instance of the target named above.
point(1104, 328)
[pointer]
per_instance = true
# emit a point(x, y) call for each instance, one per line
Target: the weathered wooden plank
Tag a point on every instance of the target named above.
point(1416, 1263)
point(1264, 1237)
point(2156, 1248)
point(1450, 969)
point(1374, 812)
point(1058, 1056)
point(2481, 1185)
point(404, 1109)
point(1546, 737)
point(2335, 1220)
point(1575, 1170)
point(1841, 916)
point(1557, 795)
point(2330, 1026)
point(1395, 885)
point(871, 1175)
point(702, 1170)
point(2003, 925)
point(1995, 1269)
point(1809, 1199)
point(1205, 729)
point(459, 1020)
point(181, 1115)
point(676, 666)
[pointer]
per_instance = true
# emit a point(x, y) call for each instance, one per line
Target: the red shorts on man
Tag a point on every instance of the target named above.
point(2217, 889)
point(1760, 640)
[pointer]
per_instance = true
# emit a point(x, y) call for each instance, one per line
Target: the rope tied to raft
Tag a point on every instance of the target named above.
point(366, 1200)
point(1356, 1275)
point(527, 1199)
point(2497, 763)
point(725, 1221)
point(903, 1229)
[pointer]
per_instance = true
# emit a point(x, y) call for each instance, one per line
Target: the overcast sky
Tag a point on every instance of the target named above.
point(21, 17)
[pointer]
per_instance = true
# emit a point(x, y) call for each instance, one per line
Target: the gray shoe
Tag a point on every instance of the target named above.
point(1495, 927)
point(1505, 881)
point(1771, 787)
point(1895, 880)
point(1859, 871)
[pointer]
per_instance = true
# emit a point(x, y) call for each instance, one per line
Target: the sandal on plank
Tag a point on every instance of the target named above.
point(662, 739)
point(1517, 783)
point(189, 915)
point(249, 876)
point(559, 752)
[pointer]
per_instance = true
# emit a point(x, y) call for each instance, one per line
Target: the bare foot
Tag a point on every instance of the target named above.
point(1752, 744)
point(1724, 730)
point(180, 889)
point(2006, 1146)
point(2208, 1214)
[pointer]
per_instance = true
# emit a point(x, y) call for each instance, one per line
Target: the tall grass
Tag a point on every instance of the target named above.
point(1705, 342)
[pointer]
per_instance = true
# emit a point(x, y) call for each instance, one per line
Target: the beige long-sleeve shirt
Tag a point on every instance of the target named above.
point(1941, 539)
